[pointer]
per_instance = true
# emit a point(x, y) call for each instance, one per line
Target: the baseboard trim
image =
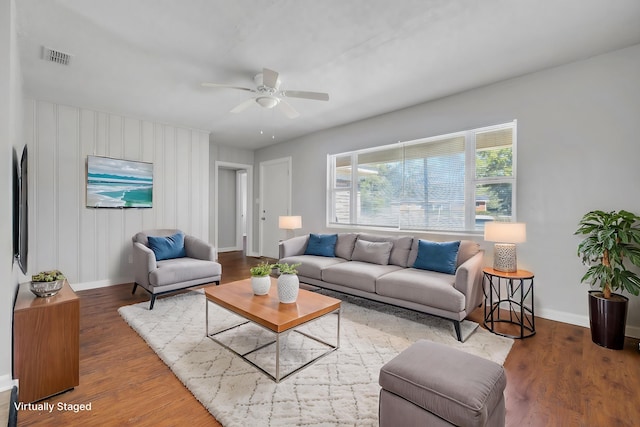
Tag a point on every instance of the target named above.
point(230, 249)
point(99, 284)
point(7, 382)
point(580, 320)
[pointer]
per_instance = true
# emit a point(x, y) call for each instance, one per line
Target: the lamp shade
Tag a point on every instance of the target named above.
point(505, 232)
point(290, 222)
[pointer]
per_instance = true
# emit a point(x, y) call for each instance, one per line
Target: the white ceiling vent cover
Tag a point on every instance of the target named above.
point(56, 56)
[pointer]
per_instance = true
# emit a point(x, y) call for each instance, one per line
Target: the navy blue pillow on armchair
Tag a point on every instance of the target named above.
point(322, 245)
point(167, 247)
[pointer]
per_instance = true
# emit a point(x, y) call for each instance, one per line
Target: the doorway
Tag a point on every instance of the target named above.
point(233, 218)
point(241, 209)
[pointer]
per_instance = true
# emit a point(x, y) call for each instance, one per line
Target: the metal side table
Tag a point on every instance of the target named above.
point(513, 292)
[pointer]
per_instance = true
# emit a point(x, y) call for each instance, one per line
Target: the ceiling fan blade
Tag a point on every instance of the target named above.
point(318, 96)
point(269, 77)
point(287, 109)
point(244, 105)
point(220, 85)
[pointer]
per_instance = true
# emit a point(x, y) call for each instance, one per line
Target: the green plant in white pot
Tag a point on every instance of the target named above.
point(611, 245)
point(288, 282)
point(260, 280)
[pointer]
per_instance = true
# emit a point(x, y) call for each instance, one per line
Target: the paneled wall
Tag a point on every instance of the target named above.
point(91, 246)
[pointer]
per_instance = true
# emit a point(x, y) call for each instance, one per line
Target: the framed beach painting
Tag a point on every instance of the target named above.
point(116, 183)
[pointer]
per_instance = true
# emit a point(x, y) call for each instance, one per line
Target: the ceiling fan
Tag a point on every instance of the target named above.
point(269, 95)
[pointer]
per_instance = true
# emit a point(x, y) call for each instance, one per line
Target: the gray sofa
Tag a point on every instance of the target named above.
point(394, 280)
point(198, 265)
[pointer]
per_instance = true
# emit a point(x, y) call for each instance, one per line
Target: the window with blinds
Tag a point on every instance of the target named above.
point(455, 182)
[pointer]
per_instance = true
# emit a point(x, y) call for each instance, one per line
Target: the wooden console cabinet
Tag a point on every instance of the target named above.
point(46, 343)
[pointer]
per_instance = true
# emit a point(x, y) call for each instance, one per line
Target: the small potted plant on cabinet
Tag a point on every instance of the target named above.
point(47, 283)
point(612, 242)
point(288, 283)
point(260, 280)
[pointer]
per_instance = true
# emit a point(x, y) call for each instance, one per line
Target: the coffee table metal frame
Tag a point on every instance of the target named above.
point(277, 377)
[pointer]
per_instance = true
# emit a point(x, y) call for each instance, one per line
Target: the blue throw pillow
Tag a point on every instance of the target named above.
point(437, 256)
point(322, 245)
point(167, 247)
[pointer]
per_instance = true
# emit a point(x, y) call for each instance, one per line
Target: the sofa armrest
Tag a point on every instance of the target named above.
point(469, 281)
point(199, 249)
point(144, 262)
point(293, 246)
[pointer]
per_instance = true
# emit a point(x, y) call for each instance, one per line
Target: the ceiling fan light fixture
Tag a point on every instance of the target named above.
point(267, 101)
point(269, 95)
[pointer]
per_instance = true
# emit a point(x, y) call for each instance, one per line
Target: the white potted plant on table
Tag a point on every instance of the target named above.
point(288, 283)
point(260, 280)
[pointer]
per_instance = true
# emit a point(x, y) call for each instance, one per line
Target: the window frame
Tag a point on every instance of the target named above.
point(471, 181)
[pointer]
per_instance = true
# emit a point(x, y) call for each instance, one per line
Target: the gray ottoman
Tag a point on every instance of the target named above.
point(430, 384)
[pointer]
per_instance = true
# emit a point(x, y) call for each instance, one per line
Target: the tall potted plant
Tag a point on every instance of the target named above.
point(612, 242)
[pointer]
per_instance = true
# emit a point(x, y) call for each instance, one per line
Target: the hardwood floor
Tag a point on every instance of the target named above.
point(558, 377)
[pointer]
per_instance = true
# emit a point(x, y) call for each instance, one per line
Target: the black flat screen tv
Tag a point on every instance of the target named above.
point(16, 204)
point(21, 210)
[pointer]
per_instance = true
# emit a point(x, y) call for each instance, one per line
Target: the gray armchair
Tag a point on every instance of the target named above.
point(198, 267)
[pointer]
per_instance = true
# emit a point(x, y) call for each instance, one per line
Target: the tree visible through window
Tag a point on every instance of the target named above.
point(429, 184)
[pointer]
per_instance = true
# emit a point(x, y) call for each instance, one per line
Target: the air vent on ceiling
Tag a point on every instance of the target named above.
point(56, 56)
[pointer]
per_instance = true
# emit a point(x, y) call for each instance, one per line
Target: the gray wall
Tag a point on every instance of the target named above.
point(10, 139)
point(93, 246)
point(578, 150)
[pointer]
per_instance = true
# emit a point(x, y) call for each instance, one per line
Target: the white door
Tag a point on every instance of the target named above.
point(275, 200)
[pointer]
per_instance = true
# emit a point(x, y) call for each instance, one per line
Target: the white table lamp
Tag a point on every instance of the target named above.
point(506, 235)
point(290, 223)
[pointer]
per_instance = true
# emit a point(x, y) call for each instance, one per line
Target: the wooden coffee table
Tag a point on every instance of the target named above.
point(267, 312)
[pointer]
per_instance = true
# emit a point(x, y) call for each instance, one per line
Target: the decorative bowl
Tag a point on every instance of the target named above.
point(46, 289)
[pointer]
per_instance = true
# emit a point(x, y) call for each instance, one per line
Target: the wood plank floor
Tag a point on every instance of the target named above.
point(556, 378)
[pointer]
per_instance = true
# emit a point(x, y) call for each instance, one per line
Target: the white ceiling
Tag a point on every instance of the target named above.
point(147, 58)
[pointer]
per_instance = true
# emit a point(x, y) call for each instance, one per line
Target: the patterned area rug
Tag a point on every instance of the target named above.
point(339, 389)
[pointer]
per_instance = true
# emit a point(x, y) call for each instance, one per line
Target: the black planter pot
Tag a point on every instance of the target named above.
point(608, 319)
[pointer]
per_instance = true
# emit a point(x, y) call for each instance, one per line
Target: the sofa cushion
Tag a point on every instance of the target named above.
point(373, 252)
point(321, 245)
point(357, 274)
point(399, 252)
point(311, 266)
point(422, 287)
point(345, 244)
point(437, 256)
point(167, 247)
point(467, 249)
point(175, 270)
